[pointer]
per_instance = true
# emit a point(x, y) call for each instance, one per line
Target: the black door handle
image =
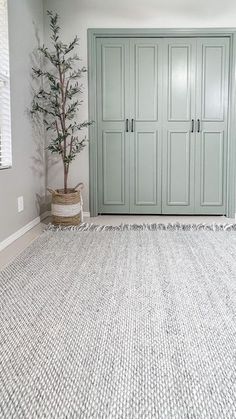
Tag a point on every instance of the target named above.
point(127, 125)
point(132, 125)
point(198, 125)
point(192, 127)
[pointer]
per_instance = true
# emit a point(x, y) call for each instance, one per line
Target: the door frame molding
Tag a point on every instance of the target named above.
point(93, 34)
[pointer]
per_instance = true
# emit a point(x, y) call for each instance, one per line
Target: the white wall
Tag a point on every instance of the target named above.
point(27, 176)
point(79, 15)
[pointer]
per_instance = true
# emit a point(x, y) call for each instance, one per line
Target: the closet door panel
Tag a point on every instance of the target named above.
point(112, 111)
point(179, 91)
point(113, 82)
point(146, 81)
point(145, 140)
point(113, 146)
point(178, 140)
point(211, 140)
point(146, 165)
point(212, 77)
point(178, 149)
point(212, 168)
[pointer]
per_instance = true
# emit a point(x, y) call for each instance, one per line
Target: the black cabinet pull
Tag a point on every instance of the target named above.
point(192, 126)
point(127, 125)
point(198, 125)
point(132, 125)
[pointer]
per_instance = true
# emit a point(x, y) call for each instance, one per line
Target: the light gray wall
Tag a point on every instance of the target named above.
point(79, 15)
point(27, 176)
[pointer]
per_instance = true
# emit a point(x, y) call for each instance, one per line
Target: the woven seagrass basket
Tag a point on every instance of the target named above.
point(66, 208)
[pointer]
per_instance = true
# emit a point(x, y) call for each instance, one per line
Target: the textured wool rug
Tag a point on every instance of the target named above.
point(121, 323)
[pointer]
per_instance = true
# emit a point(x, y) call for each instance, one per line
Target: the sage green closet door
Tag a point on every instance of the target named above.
point(146, 112)
point(179, 64)
point(112, 112)
point(162, 125)
point(211, 141)
point(129, 125)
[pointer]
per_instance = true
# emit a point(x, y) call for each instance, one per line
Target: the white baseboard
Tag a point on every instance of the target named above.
point(9, 240)
point(23, 230)
point(46, 214)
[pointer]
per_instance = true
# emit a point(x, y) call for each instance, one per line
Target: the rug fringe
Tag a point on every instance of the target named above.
point(146, 227)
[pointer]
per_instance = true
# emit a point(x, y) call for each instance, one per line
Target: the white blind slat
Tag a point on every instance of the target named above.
point(5, 109)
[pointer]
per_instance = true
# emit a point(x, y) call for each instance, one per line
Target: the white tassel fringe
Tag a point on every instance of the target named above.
point(146, 227)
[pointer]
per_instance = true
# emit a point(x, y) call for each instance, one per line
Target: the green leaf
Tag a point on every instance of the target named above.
point(57, 100)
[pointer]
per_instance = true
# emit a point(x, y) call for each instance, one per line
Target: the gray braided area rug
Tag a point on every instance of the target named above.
point(139, 323)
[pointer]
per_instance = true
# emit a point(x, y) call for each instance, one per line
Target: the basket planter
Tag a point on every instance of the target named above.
point(66, 208)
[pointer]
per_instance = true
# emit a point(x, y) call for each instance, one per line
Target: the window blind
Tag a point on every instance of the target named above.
point(5, 111)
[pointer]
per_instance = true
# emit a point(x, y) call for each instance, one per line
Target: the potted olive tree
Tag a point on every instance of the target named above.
point(58, 101)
